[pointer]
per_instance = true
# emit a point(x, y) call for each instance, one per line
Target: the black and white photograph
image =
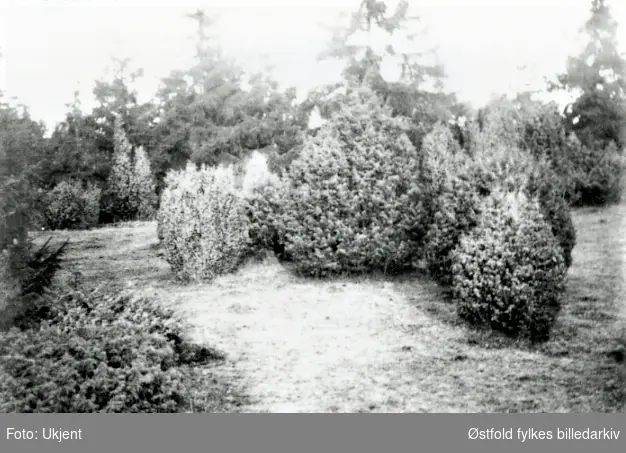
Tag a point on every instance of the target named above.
point(312, 206)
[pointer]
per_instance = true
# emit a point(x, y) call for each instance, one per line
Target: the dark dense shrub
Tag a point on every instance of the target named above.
point(514, 169)
point(508, 272)
point(130, 190)
point(595, 175)
point(352, 201)
point(440, 157)
point(544, 131)
point(456, 213)
point(70, 206)
point(26, 273)
point(458, 208)
point(99, 353)
point(263, 192)
point(263, 206)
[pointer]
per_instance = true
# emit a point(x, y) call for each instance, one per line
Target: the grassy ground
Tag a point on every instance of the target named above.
point(380, 345)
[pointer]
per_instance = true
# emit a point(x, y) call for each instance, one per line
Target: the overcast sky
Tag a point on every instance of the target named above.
point(51, 48)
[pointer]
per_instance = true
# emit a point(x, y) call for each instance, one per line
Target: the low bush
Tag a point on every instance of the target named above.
point(100, 353)
point(69, 205)
point(352, 200)
point(202, 223)
point(508, 272)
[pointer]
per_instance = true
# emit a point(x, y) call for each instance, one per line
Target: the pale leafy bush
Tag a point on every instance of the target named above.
point(257, 174)
point(544, 131)
point(508, 272)
point(69, 205)
point(502, 124)
point(202, 223)
point(142, 186)
point(118, 202)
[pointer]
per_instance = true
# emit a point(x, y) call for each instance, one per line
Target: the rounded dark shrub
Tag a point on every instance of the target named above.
point(456, 212)
point(544, 131)
point(508, 272)
point(100, 353)
point(595, 174)
point(70, 206)
point(263, 206)
point(352, 200)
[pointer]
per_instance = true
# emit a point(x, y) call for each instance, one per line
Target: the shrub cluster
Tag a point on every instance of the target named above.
point(69, 205)
point(508, 272)
point(519, 170)
point(130, 192)
point(501, 123)
point(202, 222)
point(352, 199)
point(594, 175)
point(100, 353)
point(458, 208)
point(544, 131)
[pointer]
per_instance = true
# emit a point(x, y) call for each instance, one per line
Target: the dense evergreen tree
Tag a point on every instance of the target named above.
point(211, 113)
point(413, 86)
point(598, 74)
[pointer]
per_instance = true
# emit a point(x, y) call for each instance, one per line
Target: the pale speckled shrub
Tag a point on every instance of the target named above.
point(202, 223)
point(508, 272)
